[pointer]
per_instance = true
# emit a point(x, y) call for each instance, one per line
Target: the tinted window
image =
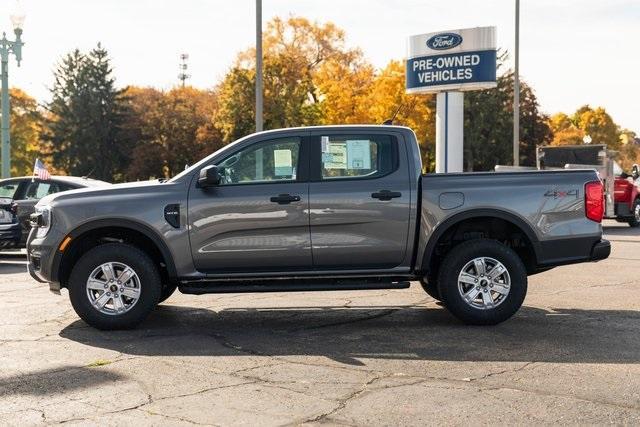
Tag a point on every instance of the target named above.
point(357, 156)
point(274, 160)
point(8, 189)
point(36, 190)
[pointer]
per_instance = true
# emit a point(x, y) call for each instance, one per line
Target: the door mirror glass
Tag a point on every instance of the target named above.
point(635, 171)
point(209, 176)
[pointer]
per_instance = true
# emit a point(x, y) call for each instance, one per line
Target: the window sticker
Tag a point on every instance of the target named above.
point(283, 163)
point(359, 154)
point(335, 156)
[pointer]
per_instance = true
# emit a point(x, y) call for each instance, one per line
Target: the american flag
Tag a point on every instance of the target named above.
point(40, 170)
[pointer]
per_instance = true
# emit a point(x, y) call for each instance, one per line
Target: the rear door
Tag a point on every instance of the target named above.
point(257, 219)
point(359, 200)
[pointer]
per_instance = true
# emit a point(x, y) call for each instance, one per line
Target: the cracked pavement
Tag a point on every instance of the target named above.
point(571, 355)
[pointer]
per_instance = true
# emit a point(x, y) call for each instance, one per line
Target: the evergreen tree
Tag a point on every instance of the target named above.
point(86, 114)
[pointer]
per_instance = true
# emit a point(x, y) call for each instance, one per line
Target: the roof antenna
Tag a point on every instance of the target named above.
point(389, 122)
point(89, 174)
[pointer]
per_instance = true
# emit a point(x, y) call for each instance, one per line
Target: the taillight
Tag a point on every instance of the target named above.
point(14, 208)
point(594, 200)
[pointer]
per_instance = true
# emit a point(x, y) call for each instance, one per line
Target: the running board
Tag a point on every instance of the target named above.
point(204, 287)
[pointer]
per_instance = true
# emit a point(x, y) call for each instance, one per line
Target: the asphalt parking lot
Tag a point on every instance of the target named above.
point(571, 355)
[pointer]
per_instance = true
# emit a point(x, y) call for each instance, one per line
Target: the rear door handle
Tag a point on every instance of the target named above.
point(284, 199)
point(386, 195)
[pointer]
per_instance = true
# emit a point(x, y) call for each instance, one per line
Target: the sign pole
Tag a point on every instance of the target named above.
point(449, 132)
point(449, 63)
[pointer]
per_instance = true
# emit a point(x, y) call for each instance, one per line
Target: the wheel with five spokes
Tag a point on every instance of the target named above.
point(114, 286)
point(482, 282)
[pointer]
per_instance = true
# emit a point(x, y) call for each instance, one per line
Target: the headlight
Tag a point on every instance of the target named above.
point(41, 220)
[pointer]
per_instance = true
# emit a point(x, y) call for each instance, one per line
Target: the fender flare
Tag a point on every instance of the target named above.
point(122, 223)
point(477, 213)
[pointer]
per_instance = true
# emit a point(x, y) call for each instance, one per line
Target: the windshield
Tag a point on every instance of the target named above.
point(206, 159)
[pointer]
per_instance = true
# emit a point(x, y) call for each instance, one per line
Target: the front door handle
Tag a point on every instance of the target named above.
point(284, 199)
point(386, 195)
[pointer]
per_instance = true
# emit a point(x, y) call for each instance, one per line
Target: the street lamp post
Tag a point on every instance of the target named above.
point(7, 47)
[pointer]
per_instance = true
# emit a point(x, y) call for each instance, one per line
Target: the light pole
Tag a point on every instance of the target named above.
point(516, 92)
point(259, 65)
point(7, 47)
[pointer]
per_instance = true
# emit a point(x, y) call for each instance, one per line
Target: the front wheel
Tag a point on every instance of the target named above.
point(482, 282)
point(114, 286)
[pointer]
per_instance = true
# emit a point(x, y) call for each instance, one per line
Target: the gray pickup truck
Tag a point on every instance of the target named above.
point(315, 209)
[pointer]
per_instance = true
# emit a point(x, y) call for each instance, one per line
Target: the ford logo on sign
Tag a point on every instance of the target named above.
point(444, 41)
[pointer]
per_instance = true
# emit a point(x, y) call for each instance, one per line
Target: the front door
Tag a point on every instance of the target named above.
point(359, 201)
point(257, 218)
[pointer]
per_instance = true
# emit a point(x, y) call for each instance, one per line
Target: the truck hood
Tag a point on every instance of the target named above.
point(127, 188)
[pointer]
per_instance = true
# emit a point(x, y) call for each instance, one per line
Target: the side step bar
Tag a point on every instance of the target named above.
point(205, 287)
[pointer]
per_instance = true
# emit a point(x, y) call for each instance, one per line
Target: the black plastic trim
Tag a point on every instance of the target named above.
point(120, 223)
point(477, 213)
point(601, 250)
point(203, 287)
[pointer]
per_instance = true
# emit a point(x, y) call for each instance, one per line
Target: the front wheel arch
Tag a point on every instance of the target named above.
point(96, 232)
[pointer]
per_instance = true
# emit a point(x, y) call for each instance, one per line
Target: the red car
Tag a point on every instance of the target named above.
point(627, 197)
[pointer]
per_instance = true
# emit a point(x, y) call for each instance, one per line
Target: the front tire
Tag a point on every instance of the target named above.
point(482, 282)
point(114, 286)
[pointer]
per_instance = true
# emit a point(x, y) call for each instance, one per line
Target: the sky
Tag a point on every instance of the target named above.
point(572, 52)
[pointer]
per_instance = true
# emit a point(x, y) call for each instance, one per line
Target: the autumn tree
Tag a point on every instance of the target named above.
point(85, 117)
point(25, 128)
point(387, 96)
point(598, 124)
point(565, 132)
point(170, 129)
point(295, 52)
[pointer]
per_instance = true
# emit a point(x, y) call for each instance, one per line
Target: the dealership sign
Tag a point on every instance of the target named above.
point(452, 60)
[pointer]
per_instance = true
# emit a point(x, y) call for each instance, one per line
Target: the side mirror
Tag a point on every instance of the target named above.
point(209, 176)
point(635, 172)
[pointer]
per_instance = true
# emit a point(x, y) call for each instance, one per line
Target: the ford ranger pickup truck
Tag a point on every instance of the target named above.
point(315, 209)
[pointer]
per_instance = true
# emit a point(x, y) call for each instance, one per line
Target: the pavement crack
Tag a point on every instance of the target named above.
point(342, 403)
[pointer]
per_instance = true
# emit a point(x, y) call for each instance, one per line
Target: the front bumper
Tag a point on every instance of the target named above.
point(601, 250)
point(40, 257)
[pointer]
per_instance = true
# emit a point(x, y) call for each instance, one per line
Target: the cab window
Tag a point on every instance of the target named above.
point(357, 156)
point(269, 161)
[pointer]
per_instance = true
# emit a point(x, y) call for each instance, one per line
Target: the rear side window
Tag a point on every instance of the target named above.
point(37, 190)
point(9, 189)
point(357, 156)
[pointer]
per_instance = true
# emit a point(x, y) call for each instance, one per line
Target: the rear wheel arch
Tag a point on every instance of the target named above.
point(102, 231)
point(495, 224)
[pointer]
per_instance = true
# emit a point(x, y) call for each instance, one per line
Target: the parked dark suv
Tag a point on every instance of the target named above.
point(18, 197)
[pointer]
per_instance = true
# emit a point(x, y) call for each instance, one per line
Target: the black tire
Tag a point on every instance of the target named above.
point(430, 285)
point(453, 265)
point(635, 211)
point(119, 253)
point(167, 290)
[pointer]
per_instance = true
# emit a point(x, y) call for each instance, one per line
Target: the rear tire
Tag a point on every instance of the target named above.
point(635, 211)
point(114, 286)
point(468, 288)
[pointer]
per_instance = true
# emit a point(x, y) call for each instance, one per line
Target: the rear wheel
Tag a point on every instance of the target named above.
point(635, 210)
point(114, 286)
point(482, 282)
